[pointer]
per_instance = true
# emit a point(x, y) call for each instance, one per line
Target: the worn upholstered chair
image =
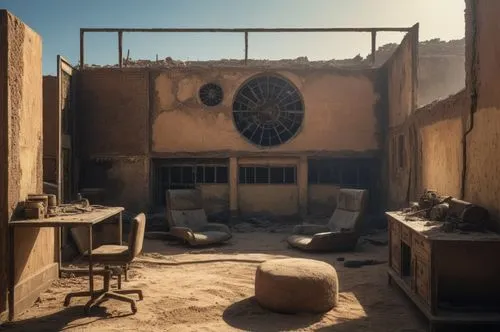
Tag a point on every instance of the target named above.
point(116, 255)
point(342, 231)
point(188, 221)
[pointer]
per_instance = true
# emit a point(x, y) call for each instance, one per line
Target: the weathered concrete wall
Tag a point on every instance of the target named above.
point(113, 121)
point(340, 113)
point(4, 174)
point(113, 112)
point(439, 149)
point(441, 67)
point(124, 179)
point(482, 67)
point(277, 199)
point(215, 197)
point(401, 85)
point(401, 94)
point(35, 265)
point(155, 113)
point(273, 199)
point(50, 128)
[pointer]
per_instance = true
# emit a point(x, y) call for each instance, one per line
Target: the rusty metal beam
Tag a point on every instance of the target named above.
point(246, 31)
point(82, 44)
point(246, 47)
point(120, 49)
point(374, 46)
point(240, 30)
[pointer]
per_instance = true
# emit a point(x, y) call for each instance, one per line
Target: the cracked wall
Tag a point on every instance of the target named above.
point(339, 112)
point(21, 161)
point(483, 65)
point(402, 88)
point(147, 113)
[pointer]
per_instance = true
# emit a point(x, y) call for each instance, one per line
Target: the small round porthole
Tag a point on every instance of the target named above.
point(211, 94)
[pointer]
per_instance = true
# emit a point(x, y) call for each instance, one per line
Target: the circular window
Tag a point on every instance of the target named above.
point(268, 110)
point(211, 94)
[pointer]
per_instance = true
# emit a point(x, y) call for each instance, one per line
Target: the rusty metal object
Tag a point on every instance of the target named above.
point(44, 199)
point(34, 210)
point(52, 200)
point(467, 216)
point(439, 212)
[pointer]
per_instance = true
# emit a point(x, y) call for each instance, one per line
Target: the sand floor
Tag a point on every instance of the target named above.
point(212, 290)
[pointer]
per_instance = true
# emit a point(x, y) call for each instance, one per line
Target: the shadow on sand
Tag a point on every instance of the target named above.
point(60, 320)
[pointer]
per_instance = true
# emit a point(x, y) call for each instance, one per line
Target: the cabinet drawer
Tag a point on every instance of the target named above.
point(406, 235)
point(422, 280)
point(421, 247)
point(395, 228)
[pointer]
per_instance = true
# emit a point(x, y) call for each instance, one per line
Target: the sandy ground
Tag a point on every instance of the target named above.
point(212, 290)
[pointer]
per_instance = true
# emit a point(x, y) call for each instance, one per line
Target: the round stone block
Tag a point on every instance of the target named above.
point(294, 285)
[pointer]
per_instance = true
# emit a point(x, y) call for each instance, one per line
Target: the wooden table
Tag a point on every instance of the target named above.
point(451, 277)
point(87, 219)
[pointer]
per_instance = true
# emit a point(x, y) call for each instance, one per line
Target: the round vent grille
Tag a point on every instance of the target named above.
point(268, 110)
point(211, 94)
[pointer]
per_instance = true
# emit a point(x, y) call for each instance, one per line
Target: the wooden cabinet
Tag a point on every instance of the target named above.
point(422, 279)
point(395, 240)
point(449, 276)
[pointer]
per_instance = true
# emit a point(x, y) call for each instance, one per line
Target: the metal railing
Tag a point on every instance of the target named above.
point(245, 31)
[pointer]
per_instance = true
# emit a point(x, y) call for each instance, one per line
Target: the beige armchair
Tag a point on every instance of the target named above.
point(188, 221)
point(342, 231)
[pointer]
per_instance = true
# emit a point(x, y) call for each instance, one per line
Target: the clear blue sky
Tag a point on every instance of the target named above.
point(59, 21)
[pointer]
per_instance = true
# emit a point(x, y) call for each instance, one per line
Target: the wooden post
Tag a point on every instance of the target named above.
point(120, 49)
point(302, 183)
point(233, 186)
point(246, 47)
point(82, 42)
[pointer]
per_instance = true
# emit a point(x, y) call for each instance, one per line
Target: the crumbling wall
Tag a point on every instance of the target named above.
point(401, 95)
point(50, 128)
point(21, 152)
point(439, 145)
point(148, 113)
point(340, 113)
point(482, 67)
point(441, 67)
point(113, 120)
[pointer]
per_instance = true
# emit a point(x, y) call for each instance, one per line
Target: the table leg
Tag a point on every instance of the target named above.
point(11, 273)
point(59, 252)
point(91, 268)
point(120, 228)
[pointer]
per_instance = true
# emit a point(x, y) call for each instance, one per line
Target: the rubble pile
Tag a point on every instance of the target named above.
point(433, 47)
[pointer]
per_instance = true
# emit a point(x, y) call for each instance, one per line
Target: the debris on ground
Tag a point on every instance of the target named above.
point(360, 263)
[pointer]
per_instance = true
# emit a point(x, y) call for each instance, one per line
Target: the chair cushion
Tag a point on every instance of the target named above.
point(299, 241)
point(208, 237)
point(110, 253)
point(326, 241)
point(343, 219)
point(351, 199)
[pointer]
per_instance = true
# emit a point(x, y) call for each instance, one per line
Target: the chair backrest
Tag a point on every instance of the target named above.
point(185, 209)
point(136, 235)
point(351, 206)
